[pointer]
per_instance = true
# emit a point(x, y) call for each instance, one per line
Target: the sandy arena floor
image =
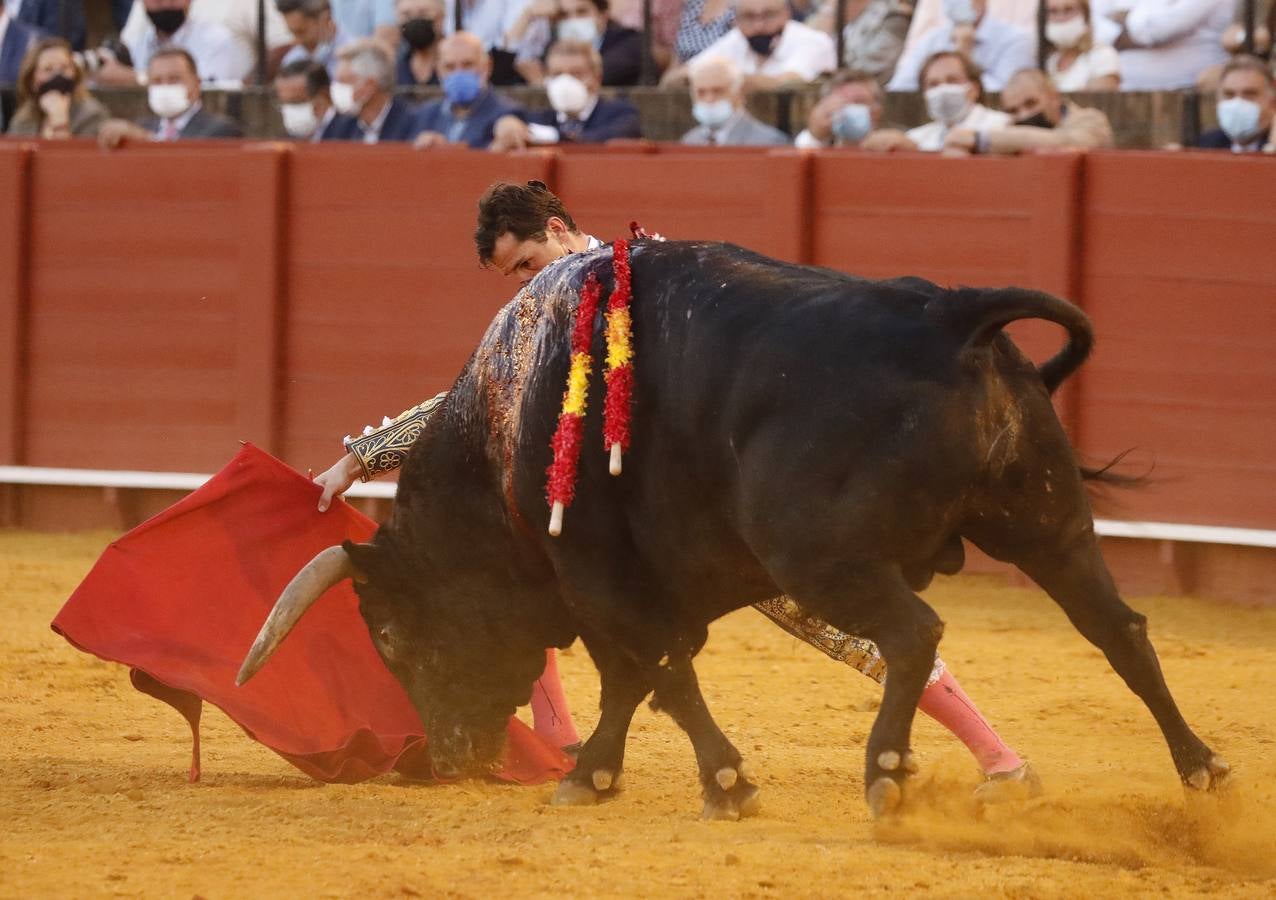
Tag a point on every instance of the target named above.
point(94, 799)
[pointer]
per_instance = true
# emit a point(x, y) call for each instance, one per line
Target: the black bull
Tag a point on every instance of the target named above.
point(795, 431)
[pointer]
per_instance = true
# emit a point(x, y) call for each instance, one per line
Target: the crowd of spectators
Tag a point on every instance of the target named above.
point(339, 68)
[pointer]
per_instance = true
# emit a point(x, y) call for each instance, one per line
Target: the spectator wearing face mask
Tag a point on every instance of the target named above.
point(769, 47)
point(717, 104)
point(1246, 109)
point(220, 56)
point(1042, 120)
point(577, 114)
point(53, 101)
point(997, 48)
point(301, 90)
point(313, 30)
point(469, 110)
point(420, 27)
point(576, 20)
point(1076, 62)
point(873, 37)
point(173, 94)
point(1163, 44)
point(849, 109)
point(363, 93)
point(953, 94)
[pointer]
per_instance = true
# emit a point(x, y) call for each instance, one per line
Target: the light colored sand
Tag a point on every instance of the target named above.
point(94, 800)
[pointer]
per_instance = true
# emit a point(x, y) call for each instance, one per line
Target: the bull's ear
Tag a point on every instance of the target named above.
point(364, 557)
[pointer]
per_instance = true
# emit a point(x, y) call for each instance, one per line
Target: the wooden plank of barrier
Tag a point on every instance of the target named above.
point(755, 199)
point(263, 248)
point(386, 295)
point(133, 275)
point(1180, 281)
point(15, 212)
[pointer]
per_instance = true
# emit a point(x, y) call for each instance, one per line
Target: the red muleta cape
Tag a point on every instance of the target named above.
point(180, 598)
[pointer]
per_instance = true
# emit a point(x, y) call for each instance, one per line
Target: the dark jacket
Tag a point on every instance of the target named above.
point(46, 16)
point(1217, 139)
point(18, 38)
point(622, 55)
point(489, 107)
point(203, 124)
point(403, 76)
point(609, 119)
point(400, 124)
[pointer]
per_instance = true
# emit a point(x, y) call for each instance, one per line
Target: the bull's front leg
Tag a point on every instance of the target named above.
point(599, 765)
point(728, 792)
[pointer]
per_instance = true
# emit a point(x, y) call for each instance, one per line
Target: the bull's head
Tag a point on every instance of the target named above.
point(466, 673)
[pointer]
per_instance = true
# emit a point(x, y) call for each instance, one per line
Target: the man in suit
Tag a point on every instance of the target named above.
point(469, 110)
point(60, 18)
point(578, 114)
point(301, 89)
point(174, 96)
point(717, 103)
point(1246, 109)
point(363, 93)
point(16, 38)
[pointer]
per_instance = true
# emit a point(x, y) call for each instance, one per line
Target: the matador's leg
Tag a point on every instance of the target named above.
point(383, 449)
point(943, 700)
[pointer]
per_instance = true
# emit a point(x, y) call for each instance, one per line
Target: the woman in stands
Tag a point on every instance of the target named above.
point(53, 101)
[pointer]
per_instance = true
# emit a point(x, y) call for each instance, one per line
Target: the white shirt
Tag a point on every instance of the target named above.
point(488, 19)
point(1180, 38)
point(1098, 61)
point(801, 49)
point(1001, 50)
point(548, 134)
point(219, 55)
point(930, 137)
point(807, 141)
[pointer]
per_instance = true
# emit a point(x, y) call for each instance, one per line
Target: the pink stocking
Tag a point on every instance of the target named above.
point(550, 716)
point(946, 703)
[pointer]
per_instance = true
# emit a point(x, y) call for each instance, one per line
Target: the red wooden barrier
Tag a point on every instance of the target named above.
point(1180, 280)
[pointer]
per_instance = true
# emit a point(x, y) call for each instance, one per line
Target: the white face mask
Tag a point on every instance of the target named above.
point(1067, 33)
point(714, 114)
point(299, 119)
point(567, 94)
point(584, 28)
point(1239, 118)
point(343, 98)
point(168, 101)
point(960, 12)
point(948, 104)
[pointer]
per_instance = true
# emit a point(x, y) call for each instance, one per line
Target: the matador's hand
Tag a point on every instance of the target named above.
point(337, 480)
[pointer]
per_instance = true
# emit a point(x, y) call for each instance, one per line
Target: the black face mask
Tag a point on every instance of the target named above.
point(763, 44)
point(1037, 121)
point(59, 83)
point(167, 21)
point(419, 33)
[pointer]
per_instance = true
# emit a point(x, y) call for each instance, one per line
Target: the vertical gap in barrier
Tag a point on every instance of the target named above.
point(260, 313)
point(788, 177)
point(15, 247)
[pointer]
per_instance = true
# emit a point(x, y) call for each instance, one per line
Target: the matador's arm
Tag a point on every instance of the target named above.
point(383, 449)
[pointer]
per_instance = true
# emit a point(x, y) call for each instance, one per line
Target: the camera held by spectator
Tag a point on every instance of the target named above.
point(109, 51)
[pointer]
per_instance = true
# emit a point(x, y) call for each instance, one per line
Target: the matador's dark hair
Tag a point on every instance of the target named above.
point(520, 209)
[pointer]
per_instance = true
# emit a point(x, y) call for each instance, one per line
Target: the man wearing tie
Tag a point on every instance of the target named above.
point(174, 96)
point(574, 73)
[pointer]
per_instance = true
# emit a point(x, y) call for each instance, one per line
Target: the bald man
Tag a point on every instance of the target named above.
point(1042, 119)
point(469, 110)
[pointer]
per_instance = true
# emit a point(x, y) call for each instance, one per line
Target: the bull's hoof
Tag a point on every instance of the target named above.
point(572, 793)
point(740, 802)
point(1014, 786)
point(884, 796)
point(1211, 776)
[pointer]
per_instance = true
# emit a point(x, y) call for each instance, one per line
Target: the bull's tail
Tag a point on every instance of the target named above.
point(979, 316)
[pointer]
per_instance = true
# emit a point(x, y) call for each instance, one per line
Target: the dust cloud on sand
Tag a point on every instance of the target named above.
point(95, 802)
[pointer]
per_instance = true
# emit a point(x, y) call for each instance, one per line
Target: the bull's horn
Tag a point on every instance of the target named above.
point(322, 572)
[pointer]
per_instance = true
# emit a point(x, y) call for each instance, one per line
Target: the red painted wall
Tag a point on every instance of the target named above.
point(160, 303)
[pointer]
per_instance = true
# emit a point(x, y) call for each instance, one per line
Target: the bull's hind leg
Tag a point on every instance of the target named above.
point(728, 793)
point(875, 602)
point(1078, 580)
